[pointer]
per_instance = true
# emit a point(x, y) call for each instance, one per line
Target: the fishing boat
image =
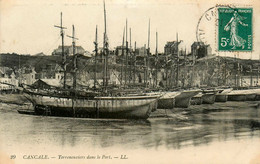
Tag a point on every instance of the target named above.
point(197, 99)
point(209, 96)
point(94, 104)
point(257, 91)
point(251, 95)
point(13, 96)
point(183, 100)
point(242, 95)
point(222, 95)
point(167, 101)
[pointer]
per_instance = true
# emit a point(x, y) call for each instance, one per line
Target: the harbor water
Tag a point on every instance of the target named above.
point(219, 133)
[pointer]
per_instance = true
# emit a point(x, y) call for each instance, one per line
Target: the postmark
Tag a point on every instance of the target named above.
point(235, 29)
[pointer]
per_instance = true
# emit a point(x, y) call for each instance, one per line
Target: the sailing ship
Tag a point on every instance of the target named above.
point(209, 96)
point(222, 96)
point(243, 95)
point(167, 101)
point(183, 100)
point(197, 99)
point(93, 103)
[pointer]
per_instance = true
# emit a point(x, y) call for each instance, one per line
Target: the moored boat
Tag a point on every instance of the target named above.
point(257, 91)
point(222, 96)
point(120, 107)
point(183, 100)
point(167, 101)
point(197, 99)
point(242, 95)
point(208, 98)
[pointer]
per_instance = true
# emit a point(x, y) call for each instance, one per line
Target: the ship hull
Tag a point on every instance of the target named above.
point(243, 95)
point(167, 101)
point(223, 95)
point(18, 99)
point(196, 100)
point(183, 100)
point(237, 97)
point(250, 97)
point(208, 98)
point(257, 97)
point(221, 98)
point(134, 107)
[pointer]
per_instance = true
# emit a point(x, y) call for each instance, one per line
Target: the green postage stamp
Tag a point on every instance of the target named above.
point(235, 29)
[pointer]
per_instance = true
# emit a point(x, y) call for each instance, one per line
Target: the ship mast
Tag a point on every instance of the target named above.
point(62, 53)
point(134, 63)
point(177, 73)
point(96, 53)
point(185, 68)
point(126, 56)
point(147, 57)
point(130, 58)
point(105, 51)
point(156, 53)
point(122, 56)
point(74, 57)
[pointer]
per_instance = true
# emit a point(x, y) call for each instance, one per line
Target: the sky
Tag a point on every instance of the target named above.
point(27, 26)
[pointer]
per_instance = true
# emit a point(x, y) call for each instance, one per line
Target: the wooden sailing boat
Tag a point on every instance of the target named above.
point(75, 103)
point(183, 99)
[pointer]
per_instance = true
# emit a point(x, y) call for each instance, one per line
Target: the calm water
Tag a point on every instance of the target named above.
point(199, 129)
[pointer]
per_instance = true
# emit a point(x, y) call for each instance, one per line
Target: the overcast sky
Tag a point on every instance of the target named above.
point(27, 26)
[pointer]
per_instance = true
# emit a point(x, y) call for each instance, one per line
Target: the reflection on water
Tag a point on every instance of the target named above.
point(198, 125)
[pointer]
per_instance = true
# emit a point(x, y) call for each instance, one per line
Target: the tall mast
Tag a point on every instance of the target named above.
point(126, 57)
point(156, 53)
point(149, 35)
point(192, 73)
point(134, 63)
point(177, 75)
point(74, 57)
point(148, 53)
point(105, 51)
point(130, 39)
point(130, 58)
point(122, 55)
point(62, 51)
point(96, 53)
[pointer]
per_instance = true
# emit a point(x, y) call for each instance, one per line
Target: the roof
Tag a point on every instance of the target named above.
point(172, 44)
point(40, 54)
point(6, 71)
point(52, 82)
point(78, 49)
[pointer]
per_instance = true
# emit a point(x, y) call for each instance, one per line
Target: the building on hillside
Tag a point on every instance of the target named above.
point(49, 71)
point(171, 48)
point(46, 83)
point(40, 54)
point(7, 76)
point(27, 75)
point(200, 50)
point(142, 51)
point(120, 50)
point(68, 50)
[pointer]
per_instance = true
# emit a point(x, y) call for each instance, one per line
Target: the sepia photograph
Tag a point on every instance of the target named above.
point(129, 81)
